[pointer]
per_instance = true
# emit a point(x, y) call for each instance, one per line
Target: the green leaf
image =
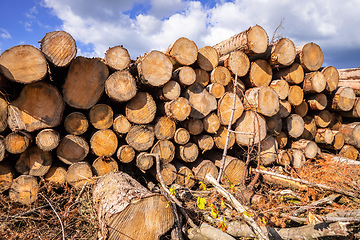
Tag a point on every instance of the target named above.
point(201, 202)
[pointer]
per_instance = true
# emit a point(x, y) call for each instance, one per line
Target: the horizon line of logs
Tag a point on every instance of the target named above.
point(67, 119)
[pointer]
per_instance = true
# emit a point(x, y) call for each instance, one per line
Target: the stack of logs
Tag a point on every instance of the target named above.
point(67, 118)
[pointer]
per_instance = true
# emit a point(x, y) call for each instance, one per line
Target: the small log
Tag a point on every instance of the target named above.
point(125, 153)
point(221, 75)
point(188, 152)
point(119, 215)
point(250, 129)
point(354, 112)
point(274, 125)
point(284, 157)
point(34, 162)
point(349, 151)
point(308, 147)
point(165, 149)
point(216, 89)
point(264, 100)
point(226, 108)
point(78, 174)
point(298, 158)
point(121, 124)
point(204, 142)
point(117, 58)
point(76, 123)
point(2, 148)
point(182, 136)
point(281, 87)
point(202, 167)
point(144, 161)
point(170, 91)
point(324, 136)
point(293, 74)
point(85, 82)
point(331, 75)
point(40, 105)
point(336, 121)
point(168, 173)
point(314, 82)
point(207, 58)
point(282, 53)
point(194, 126)
point(251, 41)
point(164, 128)
point(24, 189)
point(309, 128)
point(237, 62)
point(351, 133)
point(182, 52)
point(317, 101)
point(260, 74)
point(184, 177)
point(24, 64)
point(211, 123)
point(284, 108)
point(343, 99)
point(47, 139)
point(56, 176)
point(141, 137)
point(59, 48)
point(295, 125)
point(220, 138)
point(200, 100)
point(104, 143)
point(268, 151)
point(101, 116)
point(3, 114)
point(16, 142)
point(302, 109)
point(202, 77)
point(282, 140)
point(72, 149)
point(104, 165)
point(120, 86)
point(296, 95)
point(178, 109)
point(339, 140)
point(184, 75)
point(322, 118)
point(310, 56)
point(141, 109)
point(6, 177)
point(154, 69)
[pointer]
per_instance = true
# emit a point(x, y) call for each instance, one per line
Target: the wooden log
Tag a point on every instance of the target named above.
point(268, 151)
point(6, 177)
point(34, 161)
point(295, 125)
point(204, 142)
point(188, 152)
point(202, 77)
point(221, 75)
point(339, 140)
point(343, 99)
point(309, 128)
point(302, 109)
point(184, 177)
point(284, 108)
point(336, 121)
point(251, 41)
point(125, 153)
point(184, 75)
point(298, 158)
point(208, 58)
point(264, 100)
point(56, 176)
point(284, 157)
point(317, 101)
point(182, 52)
point(85, 82)
point(349, 73)
point(349, 151)
point(322, 118)
point(141, 137)
point(78, 174)
point(165, 149)
point(164, 128)
point(200, 100)
point(331, 75)
point(281, 87)
point(282, 140)
point(59, 48)
point(40, 105)
point(47, 139)
point(314, 82)
point(294, 74)
point(282, 53)
point(354, 112)
point(24, 64)
point(2, 148)
point(237, 62)
point(310, 56)
point(182, 136)
point(104, 143)
point(168, 173)
point(141, 109)
point(117, 58)
point(76, 123)
point(101, 116)
point(170, 91)
point(260, 74)
point(24, 190)
point(120, 86)
point(178, 109)
point(274, 125)
point(353, 84)
point(120, 215)
point(121, 125)
point(216, 89)
point(296, 95)
point(202, 167)
point(211, 123)
point(104, 165)
point(250, 129)
point(351, 133)
point(308, 147)
point(16, 142)
point(72, 149)
point(194, 126)
point(324, 136)
point(220, 138)
point(3, 114)
point(144, 161)
point(226, 108)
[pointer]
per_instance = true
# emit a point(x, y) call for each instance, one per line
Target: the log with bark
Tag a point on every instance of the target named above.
point(310, 56)
point(117, 58)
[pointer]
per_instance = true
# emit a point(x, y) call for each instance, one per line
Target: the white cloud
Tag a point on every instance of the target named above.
point(4, 33)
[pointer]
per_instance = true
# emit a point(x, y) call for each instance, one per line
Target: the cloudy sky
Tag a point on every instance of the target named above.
point(141, 26)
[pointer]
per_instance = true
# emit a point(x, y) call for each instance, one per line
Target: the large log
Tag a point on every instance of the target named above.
point(24, 189)
point(72, 149)
point(121, 125)
point(250, 128)
point(237, 62)
point(59, 48)
point(16, 142)
point(178, 109)
point(221, 75)
point(127, 210)
point(182, 52)
point(79, 174)
point(188, 152)
point(120, 86)
point(144, 161)
point(40, 105)
point(208, 58)
point(310, 56)
point(104, 143)
point(264, 100)
point(117, 58)
point(24, 64)
point(85, 82)
point(260, 74)
point(164, 128)
point(216, 89)
point(296, 95)
point(314, 82)
point(141, 109)
point(281, 87)
point(220, 138)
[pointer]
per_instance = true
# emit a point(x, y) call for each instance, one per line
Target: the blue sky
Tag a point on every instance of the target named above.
point(142, 26)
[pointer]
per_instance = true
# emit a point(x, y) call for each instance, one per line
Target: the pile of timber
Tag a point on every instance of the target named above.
point(67, 119)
